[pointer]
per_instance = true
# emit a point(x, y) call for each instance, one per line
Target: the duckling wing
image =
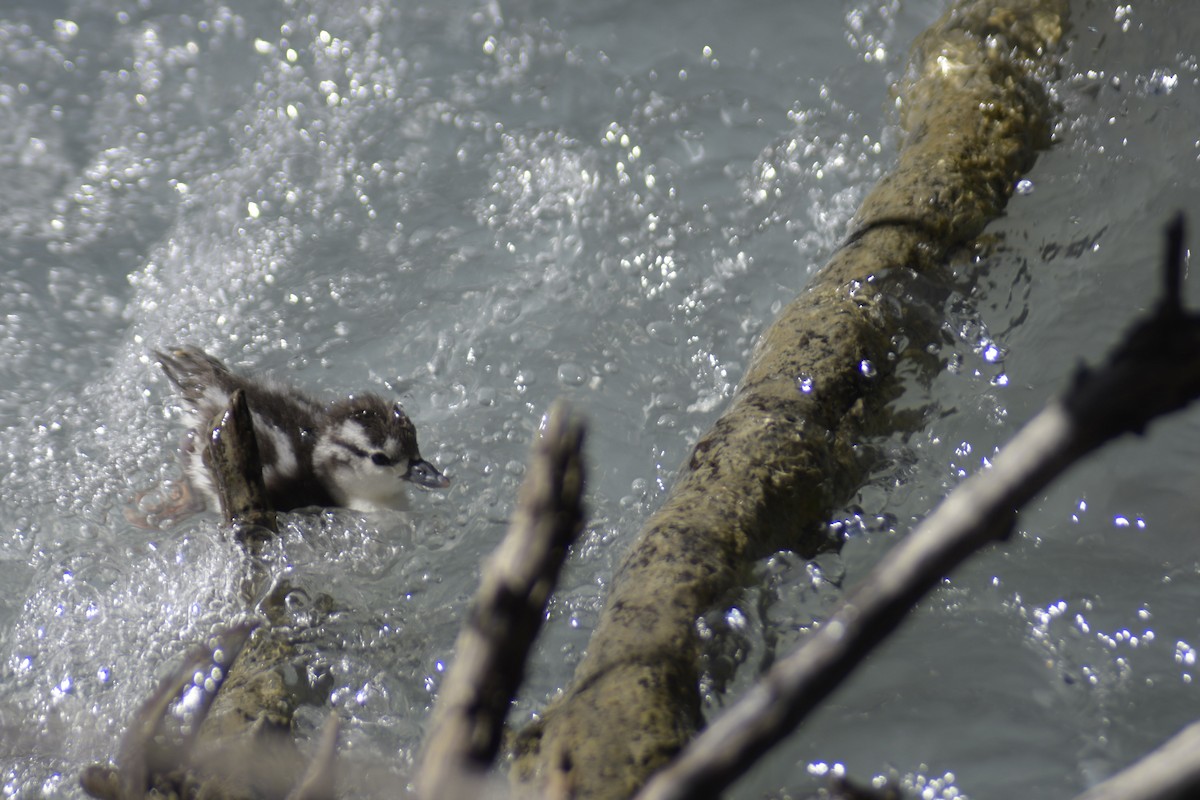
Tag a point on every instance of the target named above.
point(202, 379)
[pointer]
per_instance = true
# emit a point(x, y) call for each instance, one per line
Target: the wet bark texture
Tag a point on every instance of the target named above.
point(771, 469)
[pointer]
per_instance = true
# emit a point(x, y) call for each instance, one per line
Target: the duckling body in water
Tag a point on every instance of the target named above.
point(358, 452)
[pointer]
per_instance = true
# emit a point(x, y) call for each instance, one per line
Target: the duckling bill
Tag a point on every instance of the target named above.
point(356, 453)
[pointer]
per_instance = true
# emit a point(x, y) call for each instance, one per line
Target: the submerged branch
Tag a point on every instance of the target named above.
point(238, 742)
point(774, 465)
point(152, 756)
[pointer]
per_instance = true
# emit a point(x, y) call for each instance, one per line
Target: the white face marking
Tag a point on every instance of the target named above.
point(325, 451)
point(397, 501)
point(352, 432)
point(358, 482)
point(364, 486)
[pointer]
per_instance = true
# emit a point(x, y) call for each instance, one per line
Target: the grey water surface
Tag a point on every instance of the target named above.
point(477, 207)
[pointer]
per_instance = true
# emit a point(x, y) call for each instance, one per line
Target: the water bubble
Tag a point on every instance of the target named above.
point(804, 383)
point(735, 619)
point(64, 687)
point(662, 331)
point(65, 30)
point(1024, 186)
point(1159, 82)
point(570, 374)
point(822, 769)
point(867, 368)
point(993, 352)
point(506, 310)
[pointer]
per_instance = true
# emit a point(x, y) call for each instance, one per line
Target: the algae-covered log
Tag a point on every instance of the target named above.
point(772, 467)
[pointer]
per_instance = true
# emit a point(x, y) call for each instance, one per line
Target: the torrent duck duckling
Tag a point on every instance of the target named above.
point(356, 453)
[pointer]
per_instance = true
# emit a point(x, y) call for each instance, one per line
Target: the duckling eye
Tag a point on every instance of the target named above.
point(380, 460)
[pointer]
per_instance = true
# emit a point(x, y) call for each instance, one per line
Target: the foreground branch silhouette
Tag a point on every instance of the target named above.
point(506, 615)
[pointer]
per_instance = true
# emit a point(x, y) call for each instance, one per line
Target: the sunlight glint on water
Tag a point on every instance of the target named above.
point(477, 208)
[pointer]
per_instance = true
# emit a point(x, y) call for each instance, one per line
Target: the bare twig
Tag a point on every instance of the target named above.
point(1155, 370)
point(319, 779)
point(1171, 772)
point(146, 754)
point(507, 613)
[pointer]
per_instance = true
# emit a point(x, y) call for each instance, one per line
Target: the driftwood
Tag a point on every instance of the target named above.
point(774, 465)
point(1154, 371)
point(506, 615)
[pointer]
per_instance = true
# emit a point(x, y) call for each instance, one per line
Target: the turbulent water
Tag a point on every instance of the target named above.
point(479, 207)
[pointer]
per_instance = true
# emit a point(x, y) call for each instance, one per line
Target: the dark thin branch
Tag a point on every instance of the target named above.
point(236, 468)
point(1173, 299)
point(1160, 356)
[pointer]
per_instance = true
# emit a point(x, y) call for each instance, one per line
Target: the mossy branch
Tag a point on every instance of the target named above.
point(774, 465)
